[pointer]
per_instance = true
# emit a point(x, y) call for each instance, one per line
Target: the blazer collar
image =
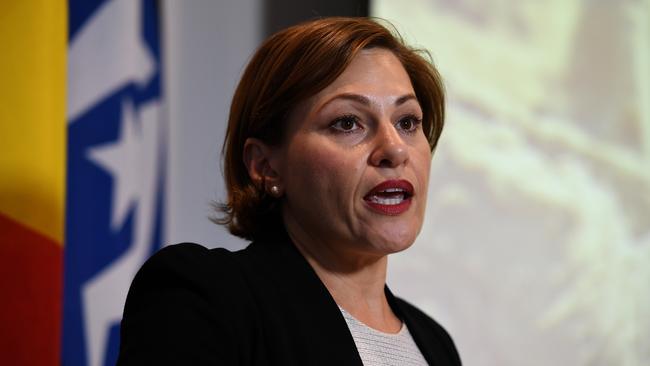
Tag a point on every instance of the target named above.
point(308, 300)
point(316, 307)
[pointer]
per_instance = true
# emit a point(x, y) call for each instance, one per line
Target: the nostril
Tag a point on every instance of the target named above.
point(385, 163)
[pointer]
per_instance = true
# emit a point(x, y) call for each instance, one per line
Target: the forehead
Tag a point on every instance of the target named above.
point(375, 73)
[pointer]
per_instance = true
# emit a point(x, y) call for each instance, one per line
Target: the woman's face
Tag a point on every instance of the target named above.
point(355, 163)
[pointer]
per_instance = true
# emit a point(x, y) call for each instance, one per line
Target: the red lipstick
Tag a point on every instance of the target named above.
point(391, 197)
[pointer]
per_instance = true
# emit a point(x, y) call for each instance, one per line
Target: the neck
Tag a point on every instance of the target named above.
point(355, 280)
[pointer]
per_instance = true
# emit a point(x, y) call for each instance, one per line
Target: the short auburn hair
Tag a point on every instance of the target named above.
point(289, 67)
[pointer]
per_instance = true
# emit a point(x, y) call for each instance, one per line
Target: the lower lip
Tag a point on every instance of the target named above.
point(391, 210)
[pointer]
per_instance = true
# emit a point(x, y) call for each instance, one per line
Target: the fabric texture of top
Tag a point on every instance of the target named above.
point(383, 349)
point(263, 305)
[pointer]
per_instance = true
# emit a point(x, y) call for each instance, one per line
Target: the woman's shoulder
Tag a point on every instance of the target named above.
point(181, 263)
point(190, 266)
point(189, 252)
point(414, 313)
point(194, 262)
point(184, 289)
point(428, 332)
point(187, 257)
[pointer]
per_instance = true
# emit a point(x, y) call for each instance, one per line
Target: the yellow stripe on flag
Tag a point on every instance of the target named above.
point(33, 41)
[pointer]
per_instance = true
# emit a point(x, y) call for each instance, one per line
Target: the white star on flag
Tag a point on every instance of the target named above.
point(133, 161)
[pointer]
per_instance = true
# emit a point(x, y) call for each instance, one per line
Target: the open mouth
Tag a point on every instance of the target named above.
point(391, 197)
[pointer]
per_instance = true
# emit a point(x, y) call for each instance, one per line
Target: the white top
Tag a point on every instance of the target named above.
point(379, 348)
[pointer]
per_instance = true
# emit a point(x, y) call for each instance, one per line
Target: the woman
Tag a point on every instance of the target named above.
point(326, 160)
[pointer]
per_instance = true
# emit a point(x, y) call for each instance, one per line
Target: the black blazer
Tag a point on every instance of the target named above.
point(263, 305)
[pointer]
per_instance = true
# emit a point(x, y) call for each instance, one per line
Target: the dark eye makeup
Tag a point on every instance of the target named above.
point(409, 123)
point(345, 124)
point(349, 123)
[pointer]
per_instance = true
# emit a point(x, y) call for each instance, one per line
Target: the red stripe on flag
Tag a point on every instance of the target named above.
point(30, 296)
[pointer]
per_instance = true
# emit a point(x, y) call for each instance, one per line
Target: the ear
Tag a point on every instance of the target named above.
point(258, 158)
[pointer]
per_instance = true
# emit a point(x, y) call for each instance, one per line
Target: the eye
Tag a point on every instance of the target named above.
point(346, 124)
point(409, 123)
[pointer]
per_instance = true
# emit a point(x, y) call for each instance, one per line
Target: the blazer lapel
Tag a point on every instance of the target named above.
point(325, 334)
point(420, 332)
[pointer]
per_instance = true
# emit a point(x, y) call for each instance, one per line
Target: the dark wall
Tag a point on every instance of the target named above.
point(279, 14)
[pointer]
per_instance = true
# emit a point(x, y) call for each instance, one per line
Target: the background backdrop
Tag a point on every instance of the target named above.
point(536, 245)
point(536, 249)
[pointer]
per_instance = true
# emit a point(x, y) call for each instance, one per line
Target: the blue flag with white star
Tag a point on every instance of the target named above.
point(115, 174)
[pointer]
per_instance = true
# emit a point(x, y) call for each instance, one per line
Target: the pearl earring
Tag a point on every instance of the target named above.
point(275, 191)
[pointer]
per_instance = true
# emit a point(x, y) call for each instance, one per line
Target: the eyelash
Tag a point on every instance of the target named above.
point(345, 118)
point(335, 125)
point(415, 120)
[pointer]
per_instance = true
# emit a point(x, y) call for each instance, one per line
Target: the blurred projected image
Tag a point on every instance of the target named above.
point(536, 248)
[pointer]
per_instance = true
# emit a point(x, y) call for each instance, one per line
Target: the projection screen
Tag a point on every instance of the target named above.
point(536, 244)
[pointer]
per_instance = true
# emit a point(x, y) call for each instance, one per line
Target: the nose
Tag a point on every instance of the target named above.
point(389, 149)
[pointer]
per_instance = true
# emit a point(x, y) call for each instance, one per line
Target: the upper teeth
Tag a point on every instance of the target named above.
point(392, 190)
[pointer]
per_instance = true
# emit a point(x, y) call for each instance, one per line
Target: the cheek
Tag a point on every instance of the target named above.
point(317, 169)
point(422, 166)
point(424, 156)
point(424, 171)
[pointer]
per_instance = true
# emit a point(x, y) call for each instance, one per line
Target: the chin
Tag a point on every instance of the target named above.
point(395, 241)
point(398, 248)
point(398, 233)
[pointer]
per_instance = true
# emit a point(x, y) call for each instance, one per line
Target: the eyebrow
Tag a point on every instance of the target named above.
point(365, 100)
